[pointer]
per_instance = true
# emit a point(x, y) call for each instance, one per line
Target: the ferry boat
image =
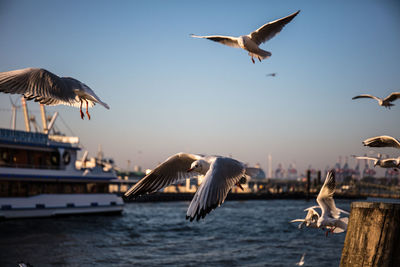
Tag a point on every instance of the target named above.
point(40, 177)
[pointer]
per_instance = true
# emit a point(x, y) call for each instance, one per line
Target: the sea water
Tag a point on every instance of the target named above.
point(239, 233)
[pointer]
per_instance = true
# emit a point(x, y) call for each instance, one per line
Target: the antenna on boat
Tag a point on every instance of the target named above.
point(26, 116)
point(84, 158)
point(51, 124)
point(14, 114)
point(44, 121)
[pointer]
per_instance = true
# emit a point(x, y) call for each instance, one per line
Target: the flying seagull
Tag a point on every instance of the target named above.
point(220, 175)
point(386, 102)
point(383, 163)
point(271, 74)
point(49, 89)
point(330, 215)
point(310, 220)
point(252, 41)
point(301, 262)
point(382, 141)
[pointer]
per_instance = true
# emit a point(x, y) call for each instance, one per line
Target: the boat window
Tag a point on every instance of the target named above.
point(66, 157)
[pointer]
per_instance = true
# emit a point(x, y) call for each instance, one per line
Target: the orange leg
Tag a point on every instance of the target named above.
point(80, 109)
point(87, 109)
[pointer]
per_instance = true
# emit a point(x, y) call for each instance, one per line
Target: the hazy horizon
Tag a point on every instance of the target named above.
point(171, 93)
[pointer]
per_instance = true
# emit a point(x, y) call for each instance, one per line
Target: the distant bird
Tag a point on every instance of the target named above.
point(383, 163)
point(301, 262)
point(382, 141)
point(271, 74)
point(220, 175)
point(252, 41)
point(47, 88)
point(382, 102)
point(310, 220)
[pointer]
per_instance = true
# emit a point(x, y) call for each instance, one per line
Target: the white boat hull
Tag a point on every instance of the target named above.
point(48, 205)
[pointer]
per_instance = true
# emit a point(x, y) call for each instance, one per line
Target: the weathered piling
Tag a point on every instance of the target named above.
point(373, 235)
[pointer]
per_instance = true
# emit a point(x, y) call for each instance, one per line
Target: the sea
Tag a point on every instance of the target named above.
point(239, 233)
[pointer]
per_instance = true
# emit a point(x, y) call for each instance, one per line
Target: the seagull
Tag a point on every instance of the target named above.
point(220, 175)
point(271, 74)
point(382, 141)
point(252, 41)
point(47, 88)
point(310, 220)
point(383, 163)
point(382, 102)
point(330, 215)
point(301, 262)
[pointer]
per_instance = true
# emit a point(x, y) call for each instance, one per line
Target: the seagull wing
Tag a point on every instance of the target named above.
point(367, 158)
point(171, 171)
point(366, 96)
point(223, 174)
point(382, 141)
point(392, 97)
point(269, 30)
point(38, 84)
point(325, 197)
point(226, 40)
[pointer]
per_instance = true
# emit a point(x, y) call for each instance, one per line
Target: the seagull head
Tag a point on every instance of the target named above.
point(197, 166)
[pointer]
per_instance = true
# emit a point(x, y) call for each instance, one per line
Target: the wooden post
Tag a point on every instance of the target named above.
point(373, 235)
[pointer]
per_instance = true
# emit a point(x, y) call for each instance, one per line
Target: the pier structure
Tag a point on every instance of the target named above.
point(373, 235)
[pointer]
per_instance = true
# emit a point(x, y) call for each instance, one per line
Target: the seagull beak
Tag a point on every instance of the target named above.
point(189, 170)
point(240, 186)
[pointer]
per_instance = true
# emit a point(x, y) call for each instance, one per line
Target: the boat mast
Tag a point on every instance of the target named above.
point(26, 117)
point(44, 121)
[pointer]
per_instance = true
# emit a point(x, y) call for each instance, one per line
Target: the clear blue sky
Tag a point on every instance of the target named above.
point(169, 92)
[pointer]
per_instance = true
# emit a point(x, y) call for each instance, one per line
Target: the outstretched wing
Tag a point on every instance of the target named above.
point(382, 141)
point(226, 40)
point(269, 30)
point(38, 84)
point(366, 96)
point(325, 197)
point(392, 97)
point(223, 174)
point(171, 171)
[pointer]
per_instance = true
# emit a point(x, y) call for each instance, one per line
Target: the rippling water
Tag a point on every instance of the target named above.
point(240, 233)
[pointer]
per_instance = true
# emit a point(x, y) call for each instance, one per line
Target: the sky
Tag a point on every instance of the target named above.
point(171, 93)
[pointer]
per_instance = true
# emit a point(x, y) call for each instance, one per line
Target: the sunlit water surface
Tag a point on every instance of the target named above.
point(240, 233)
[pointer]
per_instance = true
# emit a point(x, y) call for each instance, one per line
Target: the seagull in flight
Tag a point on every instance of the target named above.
point(383, 163)
point(382, 141)
point(49, 89)
point(271, 74)
point(330, 215)
point(301, 262)
point(252, 41)
point(310, 220)
point(220, 175)
point(386, 102)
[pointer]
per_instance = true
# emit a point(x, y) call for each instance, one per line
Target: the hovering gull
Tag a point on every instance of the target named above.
point(271, 74)
point(382, 141)
point(301, 262)
point(310, 220)
point(382, 102)
point(384, 163)
point(47, 88)
point(220, 175)
point(252, 41)
point(330, 215)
